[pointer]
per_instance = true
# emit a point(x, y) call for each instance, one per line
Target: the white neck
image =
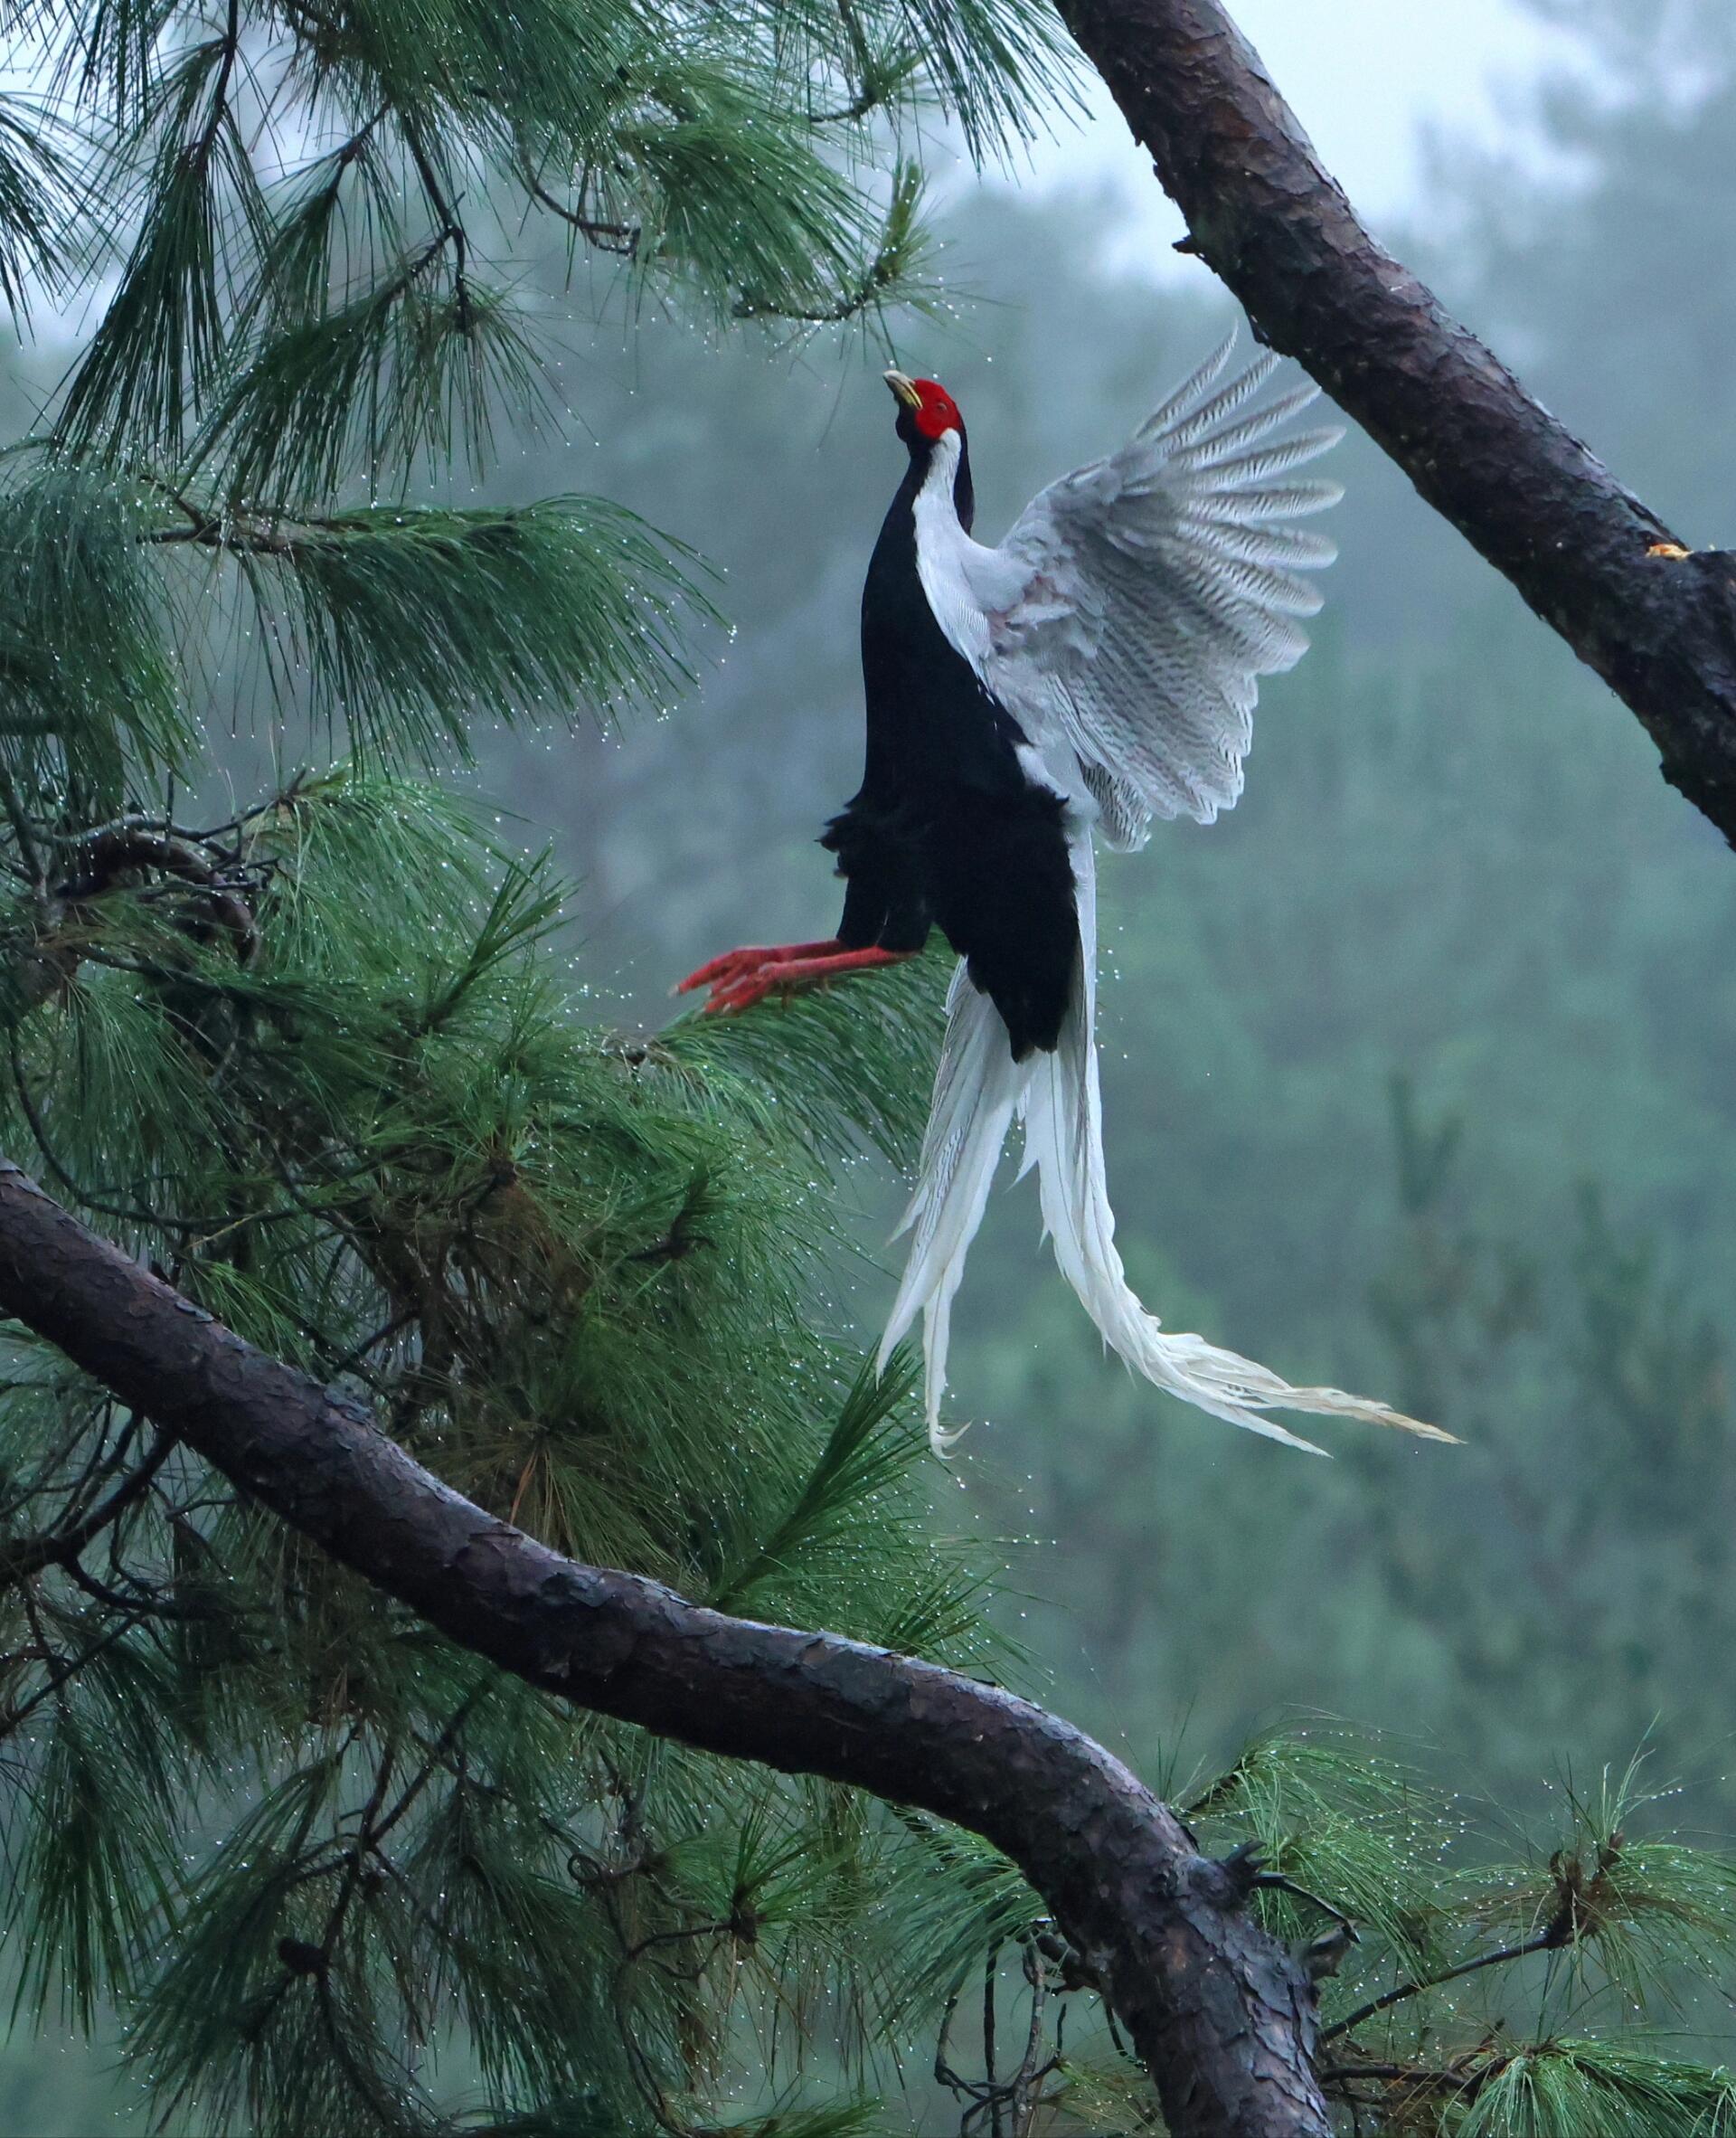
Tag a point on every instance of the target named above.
point(936, 495)
point(942, 554)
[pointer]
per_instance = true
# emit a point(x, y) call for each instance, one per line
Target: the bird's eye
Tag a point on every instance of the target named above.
point(939, 412)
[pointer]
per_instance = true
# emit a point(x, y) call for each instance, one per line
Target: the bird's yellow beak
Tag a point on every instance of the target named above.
point(903, 388)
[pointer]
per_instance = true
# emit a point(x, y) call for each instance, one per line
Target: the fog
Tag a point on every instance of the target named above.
point(1417, 1067)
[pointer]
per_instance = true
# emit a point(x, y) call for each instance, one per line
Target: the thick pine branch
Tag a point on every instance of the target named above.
point(1657, 623)
point(1222, 2016)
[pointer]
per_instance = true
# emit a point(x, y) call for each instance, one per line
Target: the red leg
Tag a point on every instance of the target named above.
point(789, 974)
point(734, 964)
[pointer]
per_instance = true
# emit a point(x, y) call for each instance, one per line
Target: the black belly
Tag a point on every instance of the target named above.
point(991, 871)
point(945, 830)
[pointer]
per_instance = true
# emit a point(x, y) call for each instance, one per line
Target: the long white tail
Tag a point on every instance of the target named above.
point(978, 1090)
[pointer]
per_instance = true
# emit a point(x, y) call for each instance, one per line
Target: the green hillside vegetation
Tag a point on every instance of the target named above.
point(1417, 1078)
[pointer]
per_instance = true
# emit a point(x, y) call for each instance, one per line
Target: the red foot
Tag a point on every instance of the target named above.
point(739, 978)
point(732, 964)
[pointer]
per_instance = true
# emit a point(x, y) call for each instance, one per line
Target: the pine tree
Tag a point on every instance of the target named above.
point(317, 1055)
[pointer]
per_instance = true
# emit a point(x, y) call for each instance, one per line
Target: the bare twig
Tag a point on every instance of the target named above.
point(1546, 1941)
point(621, 239)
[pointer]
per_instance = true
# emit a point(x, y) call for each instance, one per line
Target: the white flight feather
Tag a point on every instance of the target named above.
point(1124, 623)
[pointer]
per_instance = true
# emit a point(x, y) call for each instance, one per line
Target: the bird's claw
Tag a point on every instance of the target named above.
point(751, 985)
point(739, 978)
point(721, 972)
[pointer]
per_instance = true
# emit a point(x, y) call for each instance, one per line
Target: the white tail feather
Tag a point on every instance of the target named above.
point(979, 1090)
point(976, 1091)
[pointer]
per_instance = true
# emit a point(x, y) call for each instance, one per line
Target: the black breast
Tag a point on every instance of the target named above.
point(946, 828)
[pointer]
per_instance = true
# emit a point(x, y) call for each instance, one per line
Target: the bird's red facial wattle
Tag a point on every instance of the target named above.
point(933, 410)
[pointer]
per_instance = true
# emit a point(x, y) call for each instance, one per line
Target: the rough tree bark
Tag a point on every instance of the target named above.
point(1659, 626)
point(1222, 2016)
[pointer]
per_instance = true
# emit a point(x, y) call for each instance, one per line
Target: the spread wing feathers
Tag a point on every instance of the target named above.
point(1155, 588)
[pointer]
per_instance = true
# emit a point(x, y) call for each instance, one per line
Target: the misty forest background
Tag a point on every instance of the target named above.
point(1418, 1065)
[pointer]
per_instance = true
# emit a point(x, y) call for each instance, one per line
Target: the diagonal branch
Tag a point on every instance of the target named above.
point(1546, 1941)
point(1222, 2016)
point(1657, 623)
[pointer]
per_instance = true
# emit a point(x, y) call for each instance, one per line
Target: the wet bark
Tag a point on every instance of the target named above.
point(1265, 214)
point(1222, 2017)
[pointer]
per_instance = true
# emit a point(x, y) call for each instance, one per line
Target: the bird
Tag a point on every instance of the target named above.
point(1093, 673)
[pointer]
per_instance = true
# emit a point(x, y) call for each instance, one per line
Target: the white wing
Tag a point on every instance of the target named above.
point(1152, 589)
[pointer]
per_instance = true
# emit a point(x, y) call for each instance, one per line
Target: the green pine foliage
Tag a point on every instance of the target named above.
point(315, 208)
point(36, 170)
point(293, 1020)
point(305, 1848)
point(1467, 1989)
point(297, 1025)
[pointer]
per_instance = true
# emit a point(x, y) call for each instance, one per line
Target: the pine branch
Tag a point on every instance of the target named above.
point(163, 334)
point(396, 373)
point(861, 1456)
point(1221, 2015)
point(880, 80)
point(446, 221)
point(890, 277)
point(86, 662)
point(99, 858)
point(1656, 620)
point(1590, 2088)
point(621, 239)
point(1546, 1941)
point(406, 621)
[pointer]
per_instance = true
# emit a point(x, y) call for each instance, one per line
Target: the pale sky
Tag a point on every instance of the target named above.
point(1364, 77)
